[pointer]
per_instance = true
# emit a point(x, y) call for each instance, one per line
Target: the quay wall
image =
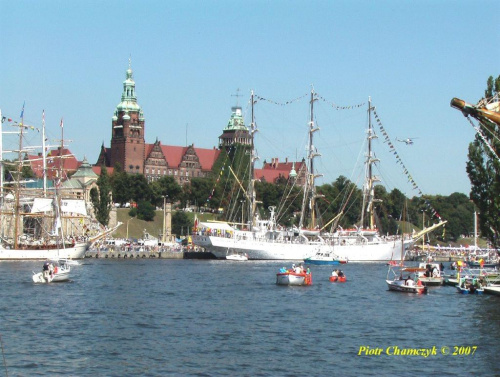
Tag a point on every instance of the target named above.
point(159, 254)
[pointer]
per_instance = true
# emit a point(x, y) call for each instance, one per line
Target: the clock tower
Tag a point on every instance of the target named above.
point(127, 139)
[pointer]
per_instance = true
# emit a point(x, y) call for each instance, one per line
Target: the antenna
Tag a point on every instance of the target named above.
point(237, 95)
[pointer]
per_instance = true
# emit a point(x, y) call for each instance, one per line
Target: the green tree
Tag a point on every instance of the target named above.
point(483, 169)
point(181, 223)
point(145, 211)
point(139, 187)
point(121, 185)
point(164, 187)
point(101, 197)
point(199, 190)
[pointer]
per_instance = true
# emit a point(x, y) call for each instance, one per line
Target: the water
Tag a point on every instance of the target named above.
point(148, 317)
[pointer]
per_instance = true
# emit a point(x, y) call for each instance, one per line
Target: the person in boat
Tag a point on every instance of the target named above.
point(51, 269)
point(340, 274)
point(283, 270)
point(428, 271)
point(435, 272)
point(441, 266)
point(410, 282)
point(334, 273)
point(45, 270)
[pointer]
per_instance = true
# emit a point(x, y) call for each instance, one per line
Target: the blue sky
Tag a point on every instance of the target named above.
point(189, 58)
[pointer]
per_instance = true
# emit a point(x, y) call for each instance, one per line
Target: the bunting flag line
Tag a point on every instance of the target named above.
point(392, 149)
point(218, 177)
point(337, 107)
point(280, 103)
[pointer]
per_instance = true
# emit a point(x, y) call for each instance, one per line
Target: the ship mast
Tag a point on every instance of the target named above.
point(253, 158)
point(17, 181)
point(310, 188)
point(369, 194)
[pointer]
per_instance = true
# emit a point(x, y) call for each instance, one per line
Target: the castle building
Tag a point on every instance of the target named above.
point(156, 160)
point(129, 149)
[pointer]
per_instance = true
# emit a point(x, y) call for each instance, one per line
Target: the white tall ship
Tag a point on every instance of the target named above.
point(33, 221)
point(267, 240)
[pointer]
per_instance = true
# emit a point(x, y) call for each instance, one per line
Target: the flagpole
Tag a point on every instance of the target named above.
point(18, 178)
point(44, 156)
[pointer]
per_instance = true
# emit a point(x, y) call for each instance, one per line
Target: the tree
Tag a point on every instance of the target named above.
point(199, 189)
point(145, 211)
point(121, 185)
point(163, 187)
point(101, 197)
point(139, 188)
point(483, 169)
point(181, 224)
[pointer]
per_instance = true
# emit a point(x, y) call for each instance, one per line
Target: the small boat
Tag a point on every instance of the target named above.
point(430, 274)
point(338, 279)
point(237, 256)
point(492, 290)
point(468, 285)
point(324, 258)
point(294, 276)
point(52, 272)
point(409, 284)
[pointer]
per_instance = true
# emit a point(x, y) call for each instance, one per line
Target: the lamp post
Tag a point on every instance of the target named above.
point(242, 207)
point(129, 220)
point(164, 230)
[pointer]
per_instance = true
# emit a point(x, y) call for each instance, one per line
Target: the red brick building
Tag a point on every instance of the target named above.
point(129, 149)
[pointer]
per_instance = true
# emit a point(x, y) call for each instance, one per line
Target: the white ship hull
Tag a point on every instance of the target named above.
point(75, 252)
point(275, 250)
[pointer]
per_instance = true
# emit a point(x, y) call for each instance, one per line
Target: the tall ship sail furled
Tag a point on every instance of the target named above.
point(265, 239)
point(38, 223)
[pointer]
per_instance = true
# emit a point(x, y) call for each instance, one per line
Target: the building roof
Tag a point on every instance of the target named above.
point(173, 154)
point(85, 171)
point(36, 163)
point(268, 175)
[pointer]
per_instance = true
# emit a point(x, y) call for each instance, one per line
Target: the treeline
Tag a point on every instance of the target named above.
point(226, 196)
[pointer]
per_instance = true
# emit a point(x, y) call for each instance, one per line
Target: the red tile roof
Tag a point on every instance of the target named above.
point(269, 175)
point(36, 163)
point(97, 170)
point(173, 154)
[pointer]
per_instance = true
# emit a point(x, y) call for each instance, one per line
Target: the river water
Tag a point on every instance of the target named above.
point(149, 317)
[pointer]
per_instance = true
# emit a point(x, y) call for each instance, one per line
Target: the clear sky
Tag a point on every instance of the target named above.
point(189, 59)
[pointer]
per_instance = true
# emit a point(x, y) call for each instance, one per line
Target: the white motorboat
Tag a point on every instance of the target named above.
point(241, 257)
point(406, 281)
point(294, 277)
point(430, 274)
point(492, 290)
point(52, 272)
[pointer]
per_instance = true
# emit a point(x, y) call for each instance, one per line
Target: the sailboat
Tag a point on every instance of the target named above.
point(21, 209)
point(265, 240)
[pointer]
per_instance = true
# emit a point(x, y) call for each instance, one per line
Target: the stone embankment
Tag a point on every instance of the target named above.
point(146, 252)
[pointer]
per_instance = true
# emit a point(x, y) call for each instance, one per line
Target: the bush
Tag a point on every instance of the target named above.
point(145, 211)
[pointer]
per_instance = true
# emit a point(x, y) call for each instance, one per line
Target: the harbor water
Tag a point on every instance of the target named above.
point(150, 317)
